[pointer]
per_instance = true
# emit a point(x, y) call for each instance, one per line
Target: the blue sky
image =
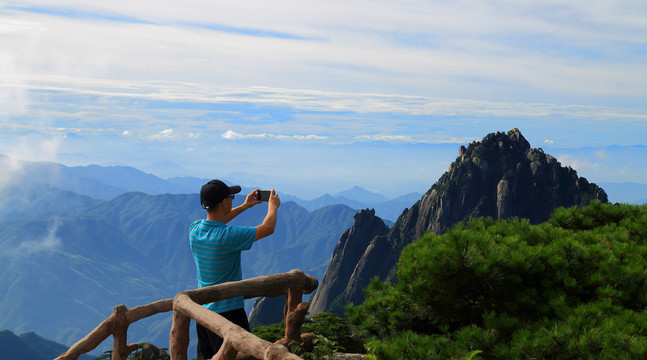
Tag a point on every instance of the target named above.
point(316, 96)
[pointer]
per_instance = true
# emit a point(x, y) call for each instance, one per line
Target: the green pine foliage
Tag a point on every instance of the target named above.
point(328, 326)
point(573, 287)
point(335, 329)
point(271, 332)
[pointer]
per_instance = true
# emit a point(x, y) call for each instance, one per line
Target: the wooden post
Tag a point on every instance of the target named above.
point(119, 328)
point(119, 333)
point(179, 337)
point(294, 316)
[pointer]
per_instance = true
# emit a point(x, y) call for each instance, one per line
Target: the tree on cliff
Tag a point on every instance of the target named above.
point(572, 287)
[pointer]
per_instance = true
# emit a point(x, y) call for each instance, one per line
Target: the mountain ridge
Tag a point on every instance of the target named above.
point(30, 346)
point(108, 182)
point(133, 250)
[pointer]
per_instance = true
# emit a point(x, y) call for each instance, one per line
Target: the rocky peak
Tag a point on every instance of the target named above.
point(346, 258)
point(500, 176)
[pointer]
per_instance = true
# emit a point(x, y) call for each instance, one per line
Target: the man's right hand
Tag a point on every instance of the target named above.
point(269, 223)
point(274, 201)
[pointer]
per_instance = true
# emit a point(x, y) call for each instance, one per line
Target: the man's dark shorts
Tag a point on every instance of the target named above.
point(209, 343)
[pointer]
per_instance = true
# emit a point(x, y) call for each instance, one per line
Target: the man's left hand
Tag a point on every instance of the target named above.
point(252, 199)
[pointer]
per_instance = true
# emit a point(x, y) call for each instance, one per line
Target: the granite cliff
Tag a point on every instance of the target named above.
point(336, 285)
point(347, 262)
point(500, 176)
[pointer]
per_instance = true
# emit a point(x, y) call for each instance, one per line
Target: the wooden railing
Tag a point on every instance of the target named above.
point(187, 305)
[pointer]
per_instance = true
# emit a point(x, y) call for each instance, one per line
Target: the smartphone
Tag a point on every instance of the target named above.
point(264, 195)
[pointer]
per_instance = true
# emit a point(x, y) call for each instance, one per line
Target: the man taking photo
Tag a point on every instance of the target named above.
point(216, 250)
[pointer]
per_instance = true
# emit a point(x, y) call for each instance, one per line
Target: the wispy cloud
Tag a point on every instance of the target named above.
point(466, 49)
point(394, 138)
point(76, 13)
point(313, 100)
point(232, 135)
point(33, 146)
point(166, 134)
point(12, 170)
point(49, 242)
point(122, 81)
point(579, 163)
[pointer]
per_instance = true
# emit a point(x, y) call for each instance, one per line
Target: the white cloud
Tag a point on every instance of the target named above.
point(413, 71)
point(580, 164)
point(36, 147)
point(12, 170)
point(49, 242)
point(390, 138)
point(317, 100)
point(601, 155)
point(430, 48)
point(298, 137)
point(164, 135)
point(13, 96)
point(232, 135)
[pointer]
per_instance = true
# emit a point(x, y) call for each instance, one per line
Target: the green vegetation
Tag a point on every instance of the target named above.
point(271, 333)
point(323, 349)
point(574, 287)
point(334, 333)
point(152, 352)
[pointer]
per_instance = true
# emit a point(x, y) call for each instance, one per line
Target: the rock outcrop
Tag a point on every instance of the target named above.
point(500, 176)
point(349, 260)
point(267, 310)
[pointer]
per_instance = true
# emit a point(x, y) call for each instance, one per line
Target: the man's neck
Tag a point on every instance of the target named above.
point(217, 216)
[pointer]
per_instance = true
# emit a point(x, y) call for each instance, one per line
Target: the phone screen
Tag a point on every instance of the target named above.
point(264, 195)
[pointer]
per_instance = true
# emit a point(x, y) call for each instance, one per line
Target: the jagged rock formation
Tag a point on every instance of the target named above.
point(500, 176)
point(348, 261)
point(355, 260)
point(267, 310)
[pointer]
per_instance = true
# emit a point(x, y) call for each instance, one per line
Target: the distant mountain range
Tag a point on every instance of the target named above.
point(359, 198)
point(92, 255)
point(106, 183)
point(86, 255)
point(30, 346)
point(627, 192)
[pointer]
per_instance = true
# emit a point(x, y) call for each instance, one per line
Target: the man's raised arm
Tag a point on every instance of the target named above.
point(250, 201)
point(266, 228)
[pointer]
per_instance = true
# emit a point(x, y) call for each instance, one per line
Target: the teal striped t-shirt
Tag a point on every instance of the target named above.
point(216, 250)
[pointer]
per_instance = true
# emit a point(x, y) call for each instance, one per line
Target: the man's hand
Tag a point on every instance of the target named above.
point(266, 228)
point(274, 201)
point(251, 199)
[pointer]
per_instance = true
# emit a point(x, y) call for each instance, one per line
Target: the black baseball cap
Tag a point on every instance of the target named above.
point(215, 191)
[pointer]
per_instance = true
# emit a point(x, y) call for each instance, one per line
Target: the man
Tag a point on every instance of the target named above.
point(216, 250)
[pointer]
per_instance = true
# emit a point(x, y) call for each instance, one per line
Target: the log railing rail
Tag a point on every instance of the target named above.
point(186, 305)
